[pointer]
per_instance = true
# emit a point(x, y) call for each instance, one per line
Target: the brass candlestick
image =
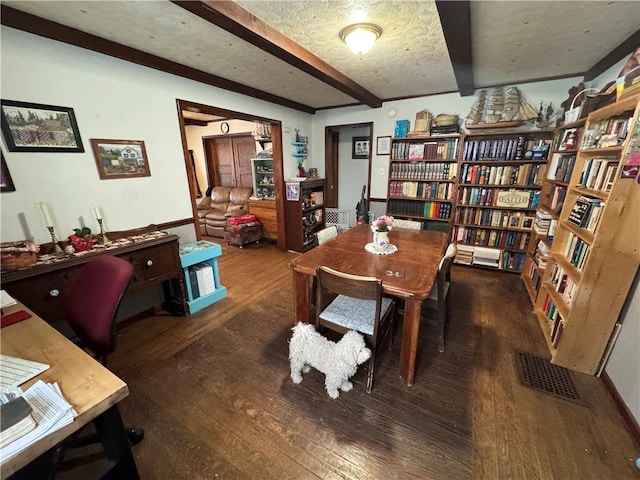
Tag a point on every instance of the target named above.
point(58, 251)
point(103, 236)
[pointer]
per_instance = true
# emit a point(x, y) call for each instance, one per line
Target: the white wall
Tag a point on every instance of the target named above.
point(111, 99)
point(353, 173)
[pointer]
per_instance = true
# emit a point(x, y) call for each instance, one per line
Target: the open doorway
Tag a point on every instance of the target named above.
point(342, 161)
point(211, 114)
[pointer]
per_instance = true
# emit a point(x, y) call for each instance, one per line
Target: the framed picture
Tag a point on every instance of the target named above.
point(527, 222)
point(383, 145)
point(293, 191)
point(120, 158)
point(34, 127)
point(360, 147)
point(6, 184)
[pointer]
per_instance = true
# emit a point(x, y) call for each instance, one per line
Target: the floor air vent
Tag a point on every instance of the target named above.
point(539, 373)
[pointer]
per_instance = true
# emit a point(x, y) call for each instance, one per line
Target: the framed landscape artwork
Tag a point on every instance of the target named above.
point(34, 127)
point(120, 158)
point(6, 184)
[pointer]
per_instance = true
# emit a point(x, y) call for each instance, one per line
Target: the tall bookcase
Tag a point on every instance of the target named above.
point(562, 159)
point(304, 213)
point(422, 176)
point(498, 192)
point(595, 252)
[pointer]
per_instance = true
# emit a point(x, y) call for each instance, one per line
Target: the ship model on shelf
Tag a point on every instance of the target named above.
point(500, 108)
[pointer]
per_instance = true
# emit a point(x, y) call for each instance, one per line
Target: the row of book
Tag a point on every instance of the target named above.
point(512, 260)
point(493, 218)
point(506, 149)
point(525, 174)
point(616, 128)
point(541, 255)
point(545, 225)
point(563, 284)
point(428, 209)
point(489, 257)
point(599, 174)
point(557, 323)
point(423, 170)
point(561, 167)
point(586, 213)
point(443, 149)
point(426, 190)
point(534, 276)
point(490, 197)
point(491, 238)
point(576, 250)
point(555, 198)
point(201, 279)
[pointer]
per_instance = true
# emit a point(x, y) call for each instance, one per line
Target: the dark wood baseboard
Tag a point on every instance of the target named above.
point(629, 419)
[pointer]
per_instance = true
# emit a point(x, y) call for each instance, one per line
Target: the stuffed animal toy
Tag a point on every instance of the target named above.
point(337, 360)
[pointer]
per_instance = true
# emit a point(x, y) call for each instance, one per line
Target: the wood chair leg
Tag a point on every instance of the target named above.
point(372, 364)
point(442, 320)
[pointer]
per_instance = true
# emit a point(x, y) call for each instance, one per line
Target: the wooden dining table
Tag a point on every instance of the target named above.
point(409, 274)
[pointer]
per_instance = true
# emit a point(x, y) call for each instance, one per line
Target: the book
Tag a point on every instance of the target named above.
point(15, 420)
point(204, 276)
point(193, 281)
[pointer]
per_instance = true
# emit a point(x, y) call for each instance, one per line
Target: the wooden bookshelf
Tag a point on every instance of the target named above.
point(595, 253)
point(422, 179)
point(499, 183)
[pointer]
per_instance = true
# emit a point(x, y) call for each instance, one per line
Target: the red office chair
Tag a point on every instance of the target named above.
point(90, 308)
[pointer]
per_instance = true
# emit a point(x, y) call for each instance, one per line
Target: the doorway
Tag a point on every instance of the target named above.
point(228, 160)
point(219, 114)
point(339, 162)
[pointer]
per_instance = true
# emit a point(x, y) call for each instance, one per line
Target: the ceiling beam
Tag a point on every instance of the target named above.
point(46, 28)
point(455, 18)
point(234, 19)
point(614, 56)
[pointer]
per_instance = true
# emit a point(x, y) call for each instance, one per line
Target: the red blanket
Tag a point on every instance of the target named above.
point(241, 219)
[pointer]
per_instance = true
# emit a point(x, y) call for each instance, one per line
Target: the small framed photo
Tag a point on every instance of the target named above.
point(527, 222)
point(6, 184)
point(515, 221)
point(360, 147)
point(383, 145)
point(120, 158)
point(293, 191)
point(35, 127)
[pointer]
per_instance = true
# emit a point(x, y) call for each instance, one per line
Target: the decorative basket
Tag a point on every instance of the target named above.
point(573, 113)
point(15, 260)
point(444, 120)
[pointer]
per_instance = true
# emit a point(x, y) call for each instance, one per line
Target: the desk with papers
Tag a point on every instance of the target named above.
point(92, 390)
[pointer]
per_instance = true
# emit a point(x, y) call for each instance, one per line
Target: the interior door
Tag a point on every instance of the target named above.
point(244, 150)
point(220, 162)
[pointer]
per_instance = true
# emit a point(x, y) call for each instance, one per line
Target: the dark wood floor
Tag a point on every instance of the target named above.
point(213, 393)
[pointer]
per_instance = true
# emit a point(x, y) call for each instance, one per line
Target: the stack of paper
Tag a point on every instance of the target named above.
point(204, 278)
point(49, 409)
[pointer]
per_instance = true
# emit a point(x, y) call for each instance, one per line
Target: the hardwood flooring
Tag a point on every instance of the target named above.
point(213, 393)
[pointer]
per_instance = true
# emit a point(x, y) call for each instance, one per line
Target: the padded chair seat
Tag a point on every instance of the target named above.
point(354, 313)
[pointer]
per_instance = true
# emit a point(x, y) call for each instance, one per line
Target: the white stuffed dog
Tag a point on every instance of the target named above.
point(338, 361)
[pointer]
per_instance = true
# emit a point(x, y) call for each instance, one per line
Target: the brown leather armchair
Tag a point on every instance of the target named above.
point(222, 203)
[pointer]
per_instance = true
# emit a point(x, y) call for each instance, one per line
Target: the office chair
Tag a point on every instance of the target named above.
point(439, 297)
point(351, 302)
point(90, 308)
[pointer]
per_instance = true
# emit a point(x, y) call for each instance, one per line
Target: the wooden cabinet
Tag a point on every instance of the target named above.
point(42, 287)
point(229, 160)
point(304, 213)
point(265, 210)
point(594, 255)
point(499, 183)
point(422, 173)
point(562, 159)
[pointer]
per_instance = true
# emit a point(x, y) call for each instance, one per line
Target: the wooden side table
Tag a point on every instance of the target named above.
point(265, 210)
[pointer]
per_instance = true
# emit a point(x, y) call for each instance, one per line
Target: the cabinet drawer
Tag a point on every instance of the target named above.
point(153, 264)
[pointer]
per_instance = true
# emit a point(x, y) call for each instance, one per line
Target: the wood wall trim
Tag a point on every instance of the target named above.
point(629, 419)
point(236, 20)
point(614, 56)
point(46, 28)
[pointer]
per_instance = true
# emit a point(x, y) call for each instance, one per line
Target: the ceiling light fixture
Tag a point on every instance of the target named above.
point(360, 37)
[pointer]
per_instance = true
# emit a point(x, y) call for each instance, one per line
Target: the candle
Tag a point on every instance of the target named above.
point(97, 213)
point(45, 214)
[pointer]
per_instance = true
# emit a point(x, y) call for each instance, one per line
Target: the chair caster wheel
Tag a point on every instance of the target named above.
point(135, 435)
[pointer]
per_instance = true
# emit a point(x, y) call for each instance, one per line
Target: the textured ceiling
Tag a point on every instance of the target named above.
point(511, 42)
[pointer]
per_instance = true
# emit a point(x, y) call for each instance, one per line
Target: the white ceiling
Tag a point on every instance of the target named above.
point(509, 42)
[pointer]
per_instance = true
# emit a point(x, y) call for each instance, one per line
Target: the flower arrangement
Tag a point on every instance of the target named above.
point(382, 224)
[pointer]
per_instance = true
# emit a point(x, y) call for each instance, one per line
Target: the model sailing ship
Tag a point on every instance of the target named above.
point(503, 107)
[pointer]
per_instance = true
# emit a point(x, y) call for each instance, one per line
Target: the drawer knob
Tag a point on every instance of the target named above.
point(149, 263)
point(54, 293)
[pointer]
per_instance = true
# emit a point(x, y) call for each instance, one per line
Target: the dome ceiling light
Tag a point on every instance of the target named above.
point(360, 37)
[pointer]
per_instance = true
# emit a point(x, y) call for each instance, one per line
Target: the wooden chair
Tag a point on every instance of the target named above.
point(409, 224)
point(351, 302)
point(439, 297)
point(327, 234)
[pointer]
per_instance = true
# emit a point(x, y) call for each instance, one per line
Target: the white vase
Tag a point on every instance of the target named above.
point(381, 240)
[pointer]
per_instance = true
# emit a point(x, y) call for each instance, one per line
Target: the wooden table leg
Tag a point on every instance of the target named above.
point(116, 444)
point(410, 327)
point(300, 297)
